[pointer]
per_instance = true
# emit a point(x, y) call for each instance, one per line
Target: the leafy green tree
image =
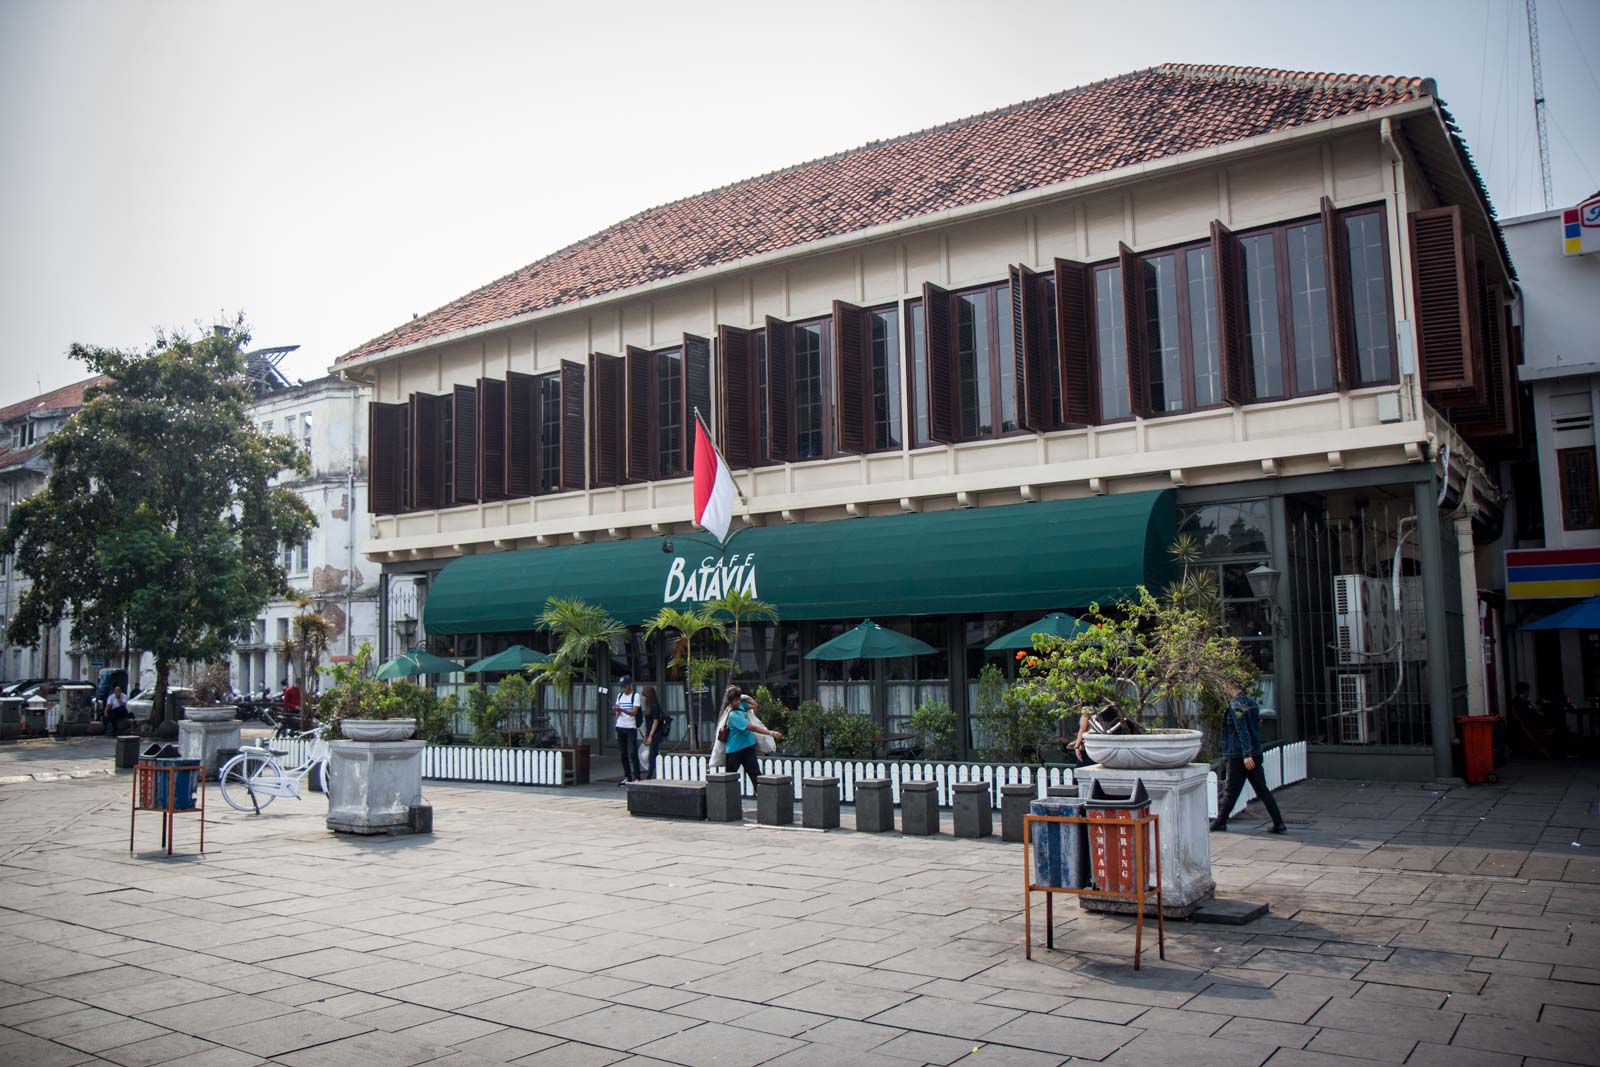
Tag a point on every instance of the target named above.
point(851, 734)
point(688, 625)
point(935, 726)
point(580, 629)
point(158, 521)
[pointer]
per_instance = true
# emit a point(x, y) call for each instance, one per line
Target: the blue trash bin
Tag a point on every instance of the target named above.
point(1060, 850)
point(183, 782)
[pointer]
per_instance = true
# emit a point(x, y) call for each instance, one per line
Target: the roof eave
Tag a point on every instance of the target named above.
point(1074, 187)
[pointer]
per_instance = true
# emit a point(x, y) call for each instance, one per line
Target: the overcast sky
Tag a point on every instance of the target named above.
point(330, 168)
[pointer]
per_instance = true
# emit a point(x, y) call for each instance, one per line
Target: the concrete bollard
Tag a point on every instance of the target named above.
point(1014, 801)
point(722, 797)
point(819, 803)
point(874, 805)
point(919, 807)
point(973, 816)
point(775, 800)
point(128, 752)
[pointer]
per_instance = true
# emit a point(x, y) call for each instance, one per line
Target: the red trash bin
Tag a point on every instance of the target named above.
point(1477, 747)
point(1112, 847)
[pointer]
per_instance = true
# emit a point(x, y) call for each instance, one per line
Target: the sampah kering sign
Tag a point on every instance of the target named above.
point(710, 580)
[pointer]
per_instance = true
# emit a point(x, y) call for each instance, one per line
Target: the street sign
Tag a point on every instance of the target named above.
point(1580, 228)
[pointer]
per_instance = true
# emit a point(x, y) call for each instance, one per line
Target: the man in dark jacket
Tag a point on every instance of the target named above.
point(1241, 747)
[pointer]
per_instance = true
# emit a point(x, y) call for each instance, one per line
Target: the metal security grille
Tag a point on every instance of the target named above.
point(1361, 652)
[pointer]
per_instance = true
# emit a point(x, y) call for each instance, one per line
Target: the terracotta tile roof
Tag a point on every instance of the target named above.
point(68, 397)
point(1127, 120)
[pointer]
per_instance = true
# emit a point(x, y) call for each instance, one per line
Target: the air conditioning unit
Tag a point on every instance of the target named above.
point(1356, 725)
point(1364, 619)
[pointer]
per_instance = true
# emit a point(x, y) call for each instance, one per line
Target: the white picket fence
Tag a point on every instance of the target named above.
point(680, 767)
point(1284, 765)
point(474, 763)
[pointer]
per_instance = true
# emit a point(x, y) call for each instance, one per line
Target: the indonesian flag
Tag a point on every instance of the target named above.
point(713, 486)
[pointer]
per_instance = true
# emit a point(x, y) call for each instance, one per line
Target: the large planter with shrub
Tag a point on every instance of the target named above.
point(1147, 751)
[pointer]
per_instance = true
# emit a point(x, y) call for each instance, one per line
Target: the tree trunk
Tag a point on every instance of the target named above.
point(158, 702)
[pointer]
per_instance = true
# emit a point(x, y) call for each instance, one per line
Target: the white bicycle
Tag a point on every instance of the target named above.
point(255, 777)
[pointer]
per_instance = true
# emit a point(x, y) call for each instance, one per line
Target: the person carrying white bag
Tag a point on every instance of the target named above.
point(741, 736)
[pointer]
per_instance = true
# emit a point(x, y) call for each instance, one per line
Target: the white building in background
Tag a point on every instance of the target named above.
point(329, 419)
point(24, 425)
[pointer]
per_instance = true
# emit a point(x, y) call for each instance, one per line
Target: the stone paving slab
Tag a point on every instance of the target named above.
point(1407, 925)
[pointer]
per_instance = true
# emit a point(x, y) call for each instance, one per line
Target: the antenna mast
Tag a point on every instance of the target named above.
point(1538, 99)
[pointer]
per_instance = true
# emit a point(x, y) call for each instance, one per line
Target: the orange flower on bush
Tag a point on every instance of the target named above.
point(1021, 654)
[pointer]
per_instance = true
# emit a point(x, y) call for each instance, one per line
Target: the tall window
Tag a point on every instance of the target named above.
point(758, 341)
point(549, 433)
point(1369, 295)
point(1580, 495)
point(669, 412)
point(1308, 306)
point(1052, 346)
point(810, 387)
point(1112, 346)
point(1261, 316)
point(1205, 353)
point(1161, 333)
point(885, 324)
point(22, 436)
point(919, 374)
point(304, 555)
point(985, 367)
point(305, 431)
point(447, 450)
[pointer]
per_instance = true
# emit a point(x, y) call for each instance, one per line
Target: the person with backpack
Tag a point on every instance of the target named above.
point(653, 726)
point(626, 706)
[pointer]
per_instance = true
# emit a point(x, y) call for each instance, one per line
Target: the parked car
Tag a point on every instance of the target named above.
point(22, 688)
point(141, 703)
point(47, 688)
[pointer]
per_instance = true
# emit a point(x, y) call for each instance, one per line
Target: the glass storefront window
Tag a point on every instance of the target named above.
point(769, 655)
point(915, 679)
point(1234, 529)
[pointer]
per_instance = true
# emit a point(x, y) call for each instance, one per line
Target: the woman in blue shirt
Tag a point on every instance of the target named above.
point(739, 744)
point(1241, 747)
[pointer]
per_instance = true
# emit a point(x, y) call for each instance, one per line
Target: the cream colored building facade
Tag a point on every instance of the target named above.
point(1336, 441)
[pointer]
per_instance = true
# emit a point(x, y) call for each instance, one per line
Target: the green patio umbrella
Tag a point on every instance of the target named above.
point(1056, 624)
point(870, 641)
point(417, 662)
point(512, 659)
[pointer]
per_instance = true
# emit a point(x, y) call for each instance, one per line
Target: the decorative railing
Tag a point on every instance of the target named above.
point(474, 763)
point(1284, 764)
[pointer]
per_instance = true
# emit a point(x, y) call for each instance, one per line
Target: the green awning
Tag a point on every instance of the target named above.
point(1022, 557)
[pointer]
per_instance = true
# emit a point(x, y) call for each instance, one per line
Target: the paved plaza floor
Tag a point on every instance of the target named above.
point(1408, 925)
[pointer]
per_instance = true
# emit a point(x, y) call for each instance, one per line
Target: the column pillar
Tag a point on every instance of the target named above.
point(1424, 497)
point(1471, 624)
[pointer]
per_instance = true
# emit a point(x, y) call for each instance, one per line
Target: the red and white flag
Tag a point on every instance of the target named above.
point(713, 486)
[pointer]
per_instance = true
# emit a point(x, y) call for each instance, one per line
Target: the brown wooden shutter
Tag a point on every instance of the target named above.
point(1440, 275)
point(571, 425)
point(427, 445)
point(491, 439)
point(1233, 348)
point(737, 426)
point(1133, 330)
point(464, 445)
point(1336, 269)
point(608, 420)
point(1496, 416)
point(641, 418)
point(939, 361)
point(522, 414)
point(1080, 400)
point(852, 361)
point(780, 387)
point(386, 428)
point(1030, 348)
point(696, 392)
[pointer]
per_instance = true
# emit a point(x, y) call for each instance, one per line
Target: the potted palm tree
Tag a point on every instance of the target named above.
point(689, 625)
point(580, 629)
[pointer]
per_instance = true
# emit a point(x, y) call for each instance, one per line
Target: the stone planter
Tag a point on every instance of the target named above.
point(1178, 796)
point(205, 741)
point(377, 729)
point(1156, 750)
point(210, 713)
point(373, 785)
